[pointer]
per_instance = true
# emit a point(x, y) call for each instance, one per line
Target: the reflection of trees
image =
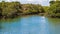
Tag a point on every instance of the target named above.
point(0, 27)
point(54, 25)
point(55, 21)
point(0, 24)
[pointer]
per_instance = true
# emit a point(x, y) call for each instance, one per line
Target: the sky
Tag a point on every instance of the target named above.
point(42, 2)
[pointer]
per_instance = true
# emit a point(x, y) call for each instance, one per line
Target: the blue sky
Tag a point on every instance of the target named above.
point(42, 2)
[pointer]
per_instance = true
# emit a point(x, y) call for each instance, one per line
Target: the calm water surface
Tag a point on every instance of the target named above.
point(31, 25)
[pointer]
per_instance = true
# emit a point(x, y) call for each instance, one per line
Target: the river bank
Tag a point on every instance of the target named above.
point(14, 9)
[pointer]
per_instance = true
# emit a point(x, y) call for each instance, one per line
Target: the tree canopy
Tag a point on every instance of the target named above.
point(12, 9)
point(54, 9)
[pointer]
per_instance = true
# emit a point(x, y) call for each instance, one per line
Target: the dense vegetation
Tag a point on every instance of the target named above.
point(9, 9)
point(13, 9)
point(54, 10)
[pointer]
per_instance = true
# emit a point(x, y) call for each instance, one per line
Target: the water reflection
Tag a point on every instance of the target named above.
point(0, 27)
point(55, 25)
point(31, 25)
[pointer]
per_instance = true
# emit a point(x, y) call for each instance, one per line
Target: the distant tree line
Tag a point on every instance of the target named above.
point(13, 9)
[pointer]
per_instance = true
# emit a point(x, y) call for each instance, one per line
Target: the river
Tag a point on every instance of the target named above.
point(31, 25)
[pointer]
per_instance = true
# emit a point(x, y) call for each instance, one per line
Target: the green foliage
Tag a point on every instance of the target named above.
point(13, 9)
point(54, 9)
point(32, 8)
point(8, 9)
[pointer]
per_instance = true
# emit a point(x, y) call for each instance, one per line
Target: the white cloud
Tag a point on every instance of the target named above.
point(43, 2)
point(0, 0)
point(30, 0)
